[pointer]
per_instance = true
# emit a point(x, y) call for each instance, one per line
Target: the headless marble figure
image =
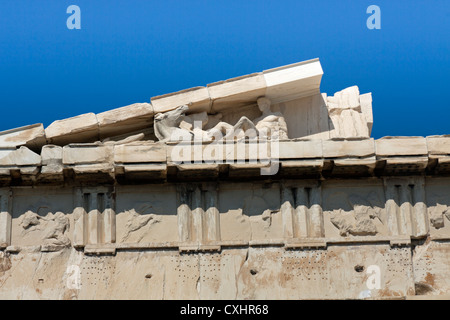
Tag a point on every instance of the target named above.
point(272, 124)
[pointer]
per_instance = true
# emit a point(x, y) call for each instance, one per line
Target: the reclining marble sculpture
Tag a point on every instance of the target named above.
point(173, 125)
point(269, 124)
point(167, 125)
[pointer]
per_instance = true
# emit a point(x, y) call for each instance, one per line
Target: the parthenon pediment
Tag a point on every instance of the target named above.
point(293, 90)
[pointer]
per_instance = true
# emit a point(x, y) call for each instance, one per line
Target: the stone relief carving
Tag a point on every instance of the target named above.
point(175, 125)
point(54, 227)
point(437, 214)
point(269, 124)
point(167, 125)
point(190, 123)
point(273, 123)
point(346, 115)
point(359, 221)
point(138, 221)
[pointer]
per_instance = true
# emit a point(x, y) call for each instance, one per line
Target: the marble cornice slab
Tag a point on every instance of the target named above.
point(154, 163)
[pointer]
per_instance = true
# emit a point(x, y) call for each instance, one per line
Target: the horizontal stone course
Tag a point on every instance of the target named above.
point(86, 153)
point(438, 145)
point(386, 156)
point(348, 148)
point(401, 146)
point(140, 153)
point(301, 149)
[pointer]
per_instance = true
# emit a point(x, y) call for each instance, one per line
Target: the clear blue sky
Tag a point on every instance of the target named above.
point(130, 50)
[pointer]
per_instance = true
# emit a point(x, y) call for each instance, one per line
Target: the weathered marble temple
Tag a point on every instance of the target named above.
point(100, 206)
